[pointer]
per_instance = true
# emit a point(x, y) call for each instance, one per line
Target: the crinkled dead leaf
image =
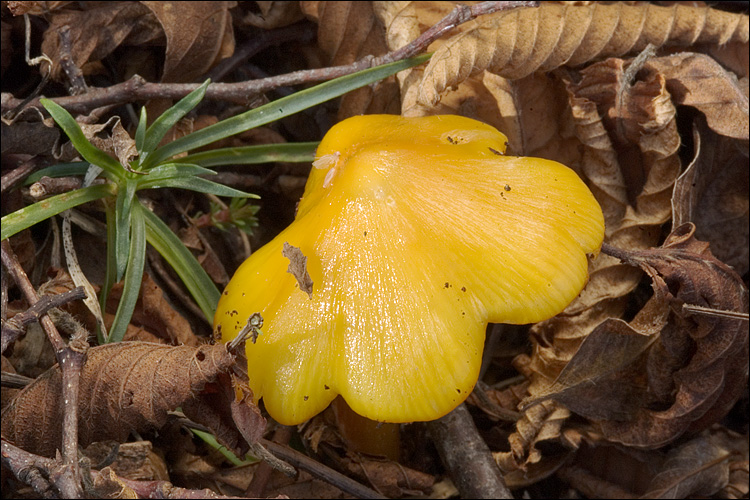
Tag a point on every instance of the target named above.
point(388, 477)
point(136, 460)
point(208, 258)
point(541, 422)
point(516, 43)
point(154, 313)
point(130, 386)
point(197, 34)
point(274, 14)
point(630, 159)
point(698, 468)
point(713, 194)
point(347, 32)
point(34, 8)
point(699, 81)
point(97, 31)
point(31, 138)
point(581, 380)
point(689, 372)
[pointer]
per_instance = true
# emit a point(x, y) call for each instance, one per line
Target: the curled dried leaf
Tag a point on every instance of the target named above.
point(712, 193)
point(539, 423)
point(665, 378)
point(630, 142)
point(131, 386)
point(519, 42)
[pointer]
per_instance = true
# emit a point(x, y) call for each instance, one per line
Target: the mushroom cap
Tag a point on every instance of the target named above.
point(417, 233)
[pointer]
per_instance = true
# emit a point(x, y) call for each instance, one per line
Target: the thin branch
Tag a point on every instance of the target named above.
point(71, 360)
point(14, 327)
point(137, 89)
point(320, 471)
point(466, 456)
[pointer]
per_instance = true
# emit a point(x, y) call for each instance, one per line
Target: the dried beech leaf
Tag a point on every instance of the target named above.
point(129, 386)
point(274, 14)
point(713, 194)
point(154, 312)
point(695, 370)
point(136, 460)
point(388, 477)
point(347, 32)
point(404, 22)
point(35, 8)
point(539, 423)
point(605, 353)
point(31, 138)
point(516, 43)
point(199, 35)
point(97, 31)
point(697, 80)
point(630, 161)
point(692, 470)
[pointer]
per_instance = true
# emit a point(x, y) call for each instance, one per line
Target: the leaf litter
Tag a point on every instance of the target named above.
point(661, 143)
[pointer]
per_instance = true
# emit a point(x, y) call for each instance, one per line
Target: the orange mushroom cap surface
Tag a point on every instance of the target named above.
point(417, 233)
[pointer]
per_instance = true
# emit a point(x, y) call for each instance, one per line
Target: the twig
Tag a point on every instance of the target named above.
point(41, 474)
point(466, 456)
point(14, 327)
point(262, 474)
point(50, 186)
point(71, 360)
point(19, 173)
point(320, 471)
point(73, 72)
point(137, 89)
point(458, 16)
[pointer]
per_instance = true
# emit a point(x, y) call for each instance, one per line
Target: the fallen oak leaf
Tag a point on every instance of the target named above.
point(132, 386)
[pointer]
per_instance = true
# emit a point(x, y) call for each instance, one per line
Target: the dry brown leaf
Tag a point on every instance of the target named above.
point(32, 138)
point(136, 461)
point(117, 143)
point(347, 32)
point(648, 383)
point(388, 477)
point(130, 386)
point(207, 257)
point(630, 161)
point(517, 43)
point(199, 35)
point(713, 194)
point(539, 423)
point(699, 81)
point(97, 31)
point(609, 357)
point(274, 15)
point(35, 8)
point(155, 313)
point(694, 469)
point(520, 109)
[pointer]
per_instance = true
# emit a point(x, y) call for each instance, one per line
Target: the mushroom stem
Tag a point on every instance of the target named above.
point(364, 435)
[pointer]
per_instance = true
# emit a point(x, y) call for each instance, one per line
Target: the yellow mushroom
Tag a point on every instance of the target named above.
point(417, 233)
